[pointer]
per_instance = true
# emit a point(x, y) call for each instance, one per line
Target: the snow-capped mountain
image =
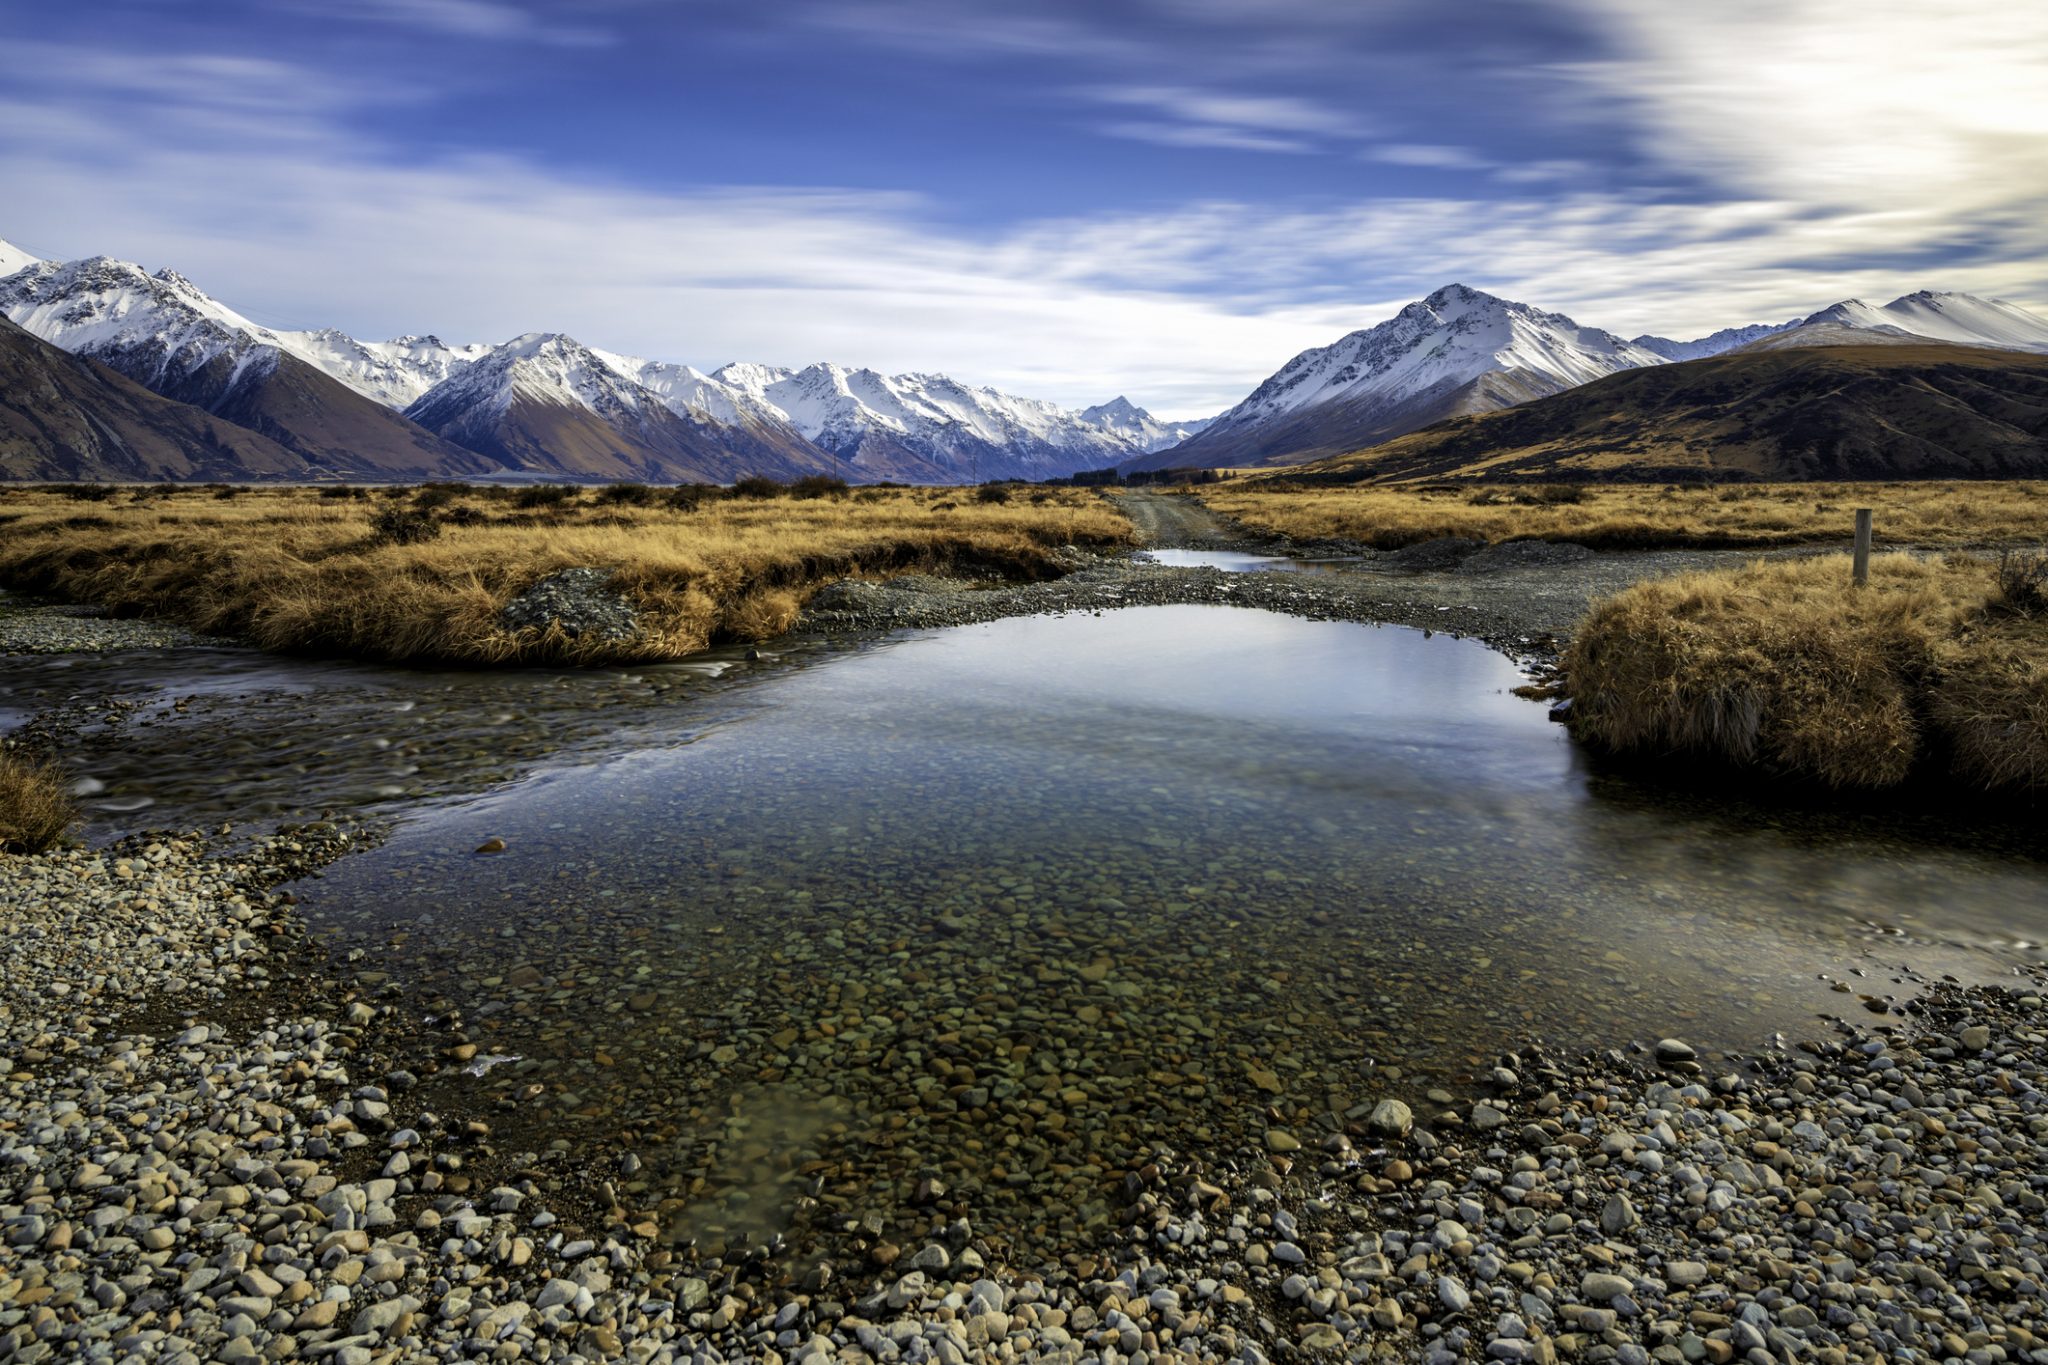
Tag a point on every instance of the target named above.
point(159, 330)
point(545, 403)
point(1727, 339)
point(1962, 319)
point(1121, 417)
point(394, 373)
point(1457, 351)
point(166, 334)
point(930, 426)
point(13, 258)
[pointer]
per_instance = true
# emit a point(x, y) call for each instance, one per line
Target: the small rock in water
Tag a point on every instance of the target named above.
point(1391, 1118)
point(493, 845)
point(1671, 1050)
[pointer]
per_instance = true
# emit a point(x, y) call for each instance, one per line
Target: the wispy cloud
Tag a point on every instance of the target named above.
point(490, 20)
point(1429, 156)
point(1204, 135)
point(1189, 117)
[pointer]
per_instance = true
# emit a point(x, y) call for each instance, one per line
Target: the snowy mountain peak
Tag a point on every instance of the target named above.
point(13, 258)
point(1458, 297)
point(1117, 409)
point(544, 368)
point(154, 328)
point(1450, 338)
point(1962, 319)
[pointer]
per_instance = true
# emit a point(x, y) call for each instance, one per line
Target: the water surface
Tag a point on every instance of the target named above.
point(978, 921)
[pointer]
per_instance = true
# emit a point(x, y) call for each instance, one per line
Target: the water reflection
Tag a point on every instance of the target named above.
point(1239, 561)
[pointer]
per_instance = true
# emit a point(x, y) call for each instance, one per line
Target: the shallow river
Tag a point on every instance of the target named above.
point(975, 921)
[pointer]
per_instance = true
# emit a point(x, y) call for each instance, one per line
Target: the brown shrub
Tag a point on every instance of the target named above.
point(35, 803)
point(2023, 582)
point(1786, 667)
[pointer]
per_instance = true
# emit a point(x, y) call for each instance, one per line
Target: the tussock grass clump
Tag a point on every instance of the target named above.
point(1788, 668)
point(296, 571)
point(35, 803)
point(2023, 582)
point(405, 525)
point(1643, 516)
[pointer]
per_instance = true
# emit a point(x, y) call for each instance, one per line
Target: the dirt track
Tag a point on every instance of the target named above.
point(1178, 522)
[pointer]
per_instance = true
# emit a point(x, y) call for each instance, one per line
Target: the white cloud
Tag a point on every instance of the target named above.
point(1874, 103)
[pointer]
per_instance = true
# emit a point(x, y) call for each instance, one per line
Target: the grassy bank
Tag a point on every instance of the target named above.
point(1637, 516)
point(423, 574)
point(1938, 666)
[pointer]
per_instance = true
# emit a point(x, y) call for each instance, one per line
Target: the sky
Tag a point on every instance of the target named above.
point(1069, 199)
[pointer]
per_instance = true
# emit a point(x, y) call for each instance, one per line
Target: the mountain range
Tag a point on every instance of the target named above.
point(544, 405)
point(1461, 352)
point(324, 405)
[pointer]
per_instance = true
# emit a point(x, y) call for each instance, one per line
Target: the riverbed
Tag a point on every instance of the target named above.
point(980, 920)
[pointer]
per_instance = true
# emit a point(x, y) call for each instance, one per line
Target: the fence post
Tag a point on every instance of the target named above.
point(1862, 546)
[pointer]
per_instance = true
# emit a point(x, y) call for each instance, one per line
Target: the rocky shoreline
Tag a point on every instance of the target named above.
point(235, 1173)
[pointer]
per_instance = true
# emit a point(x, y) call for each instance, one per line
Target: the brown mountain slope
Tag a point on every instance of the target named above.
point(1836, 412)
point(65, 418)
point(657, 445)
point(335, 429)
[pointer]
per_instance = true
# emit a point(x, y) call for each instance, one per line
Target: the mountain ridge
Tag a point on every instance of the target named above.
point(1891, 410)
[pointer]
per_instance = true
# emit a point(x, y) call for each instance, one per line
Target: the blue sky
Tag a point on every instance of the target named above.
point(1067, 200)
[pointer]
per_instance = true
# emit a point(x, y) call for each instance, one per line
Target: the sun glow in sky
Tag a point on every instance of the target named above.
point(1065, 199)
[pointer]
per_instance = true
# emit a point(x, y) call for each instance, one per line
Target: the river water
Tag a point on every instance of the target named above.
point(975, 921)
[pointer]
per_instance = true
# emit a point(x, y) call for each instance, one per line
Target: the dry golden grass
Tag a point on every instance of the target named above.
point(1645, 516)
point(293, 570)
point(1786, 667)
point(35, 805)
